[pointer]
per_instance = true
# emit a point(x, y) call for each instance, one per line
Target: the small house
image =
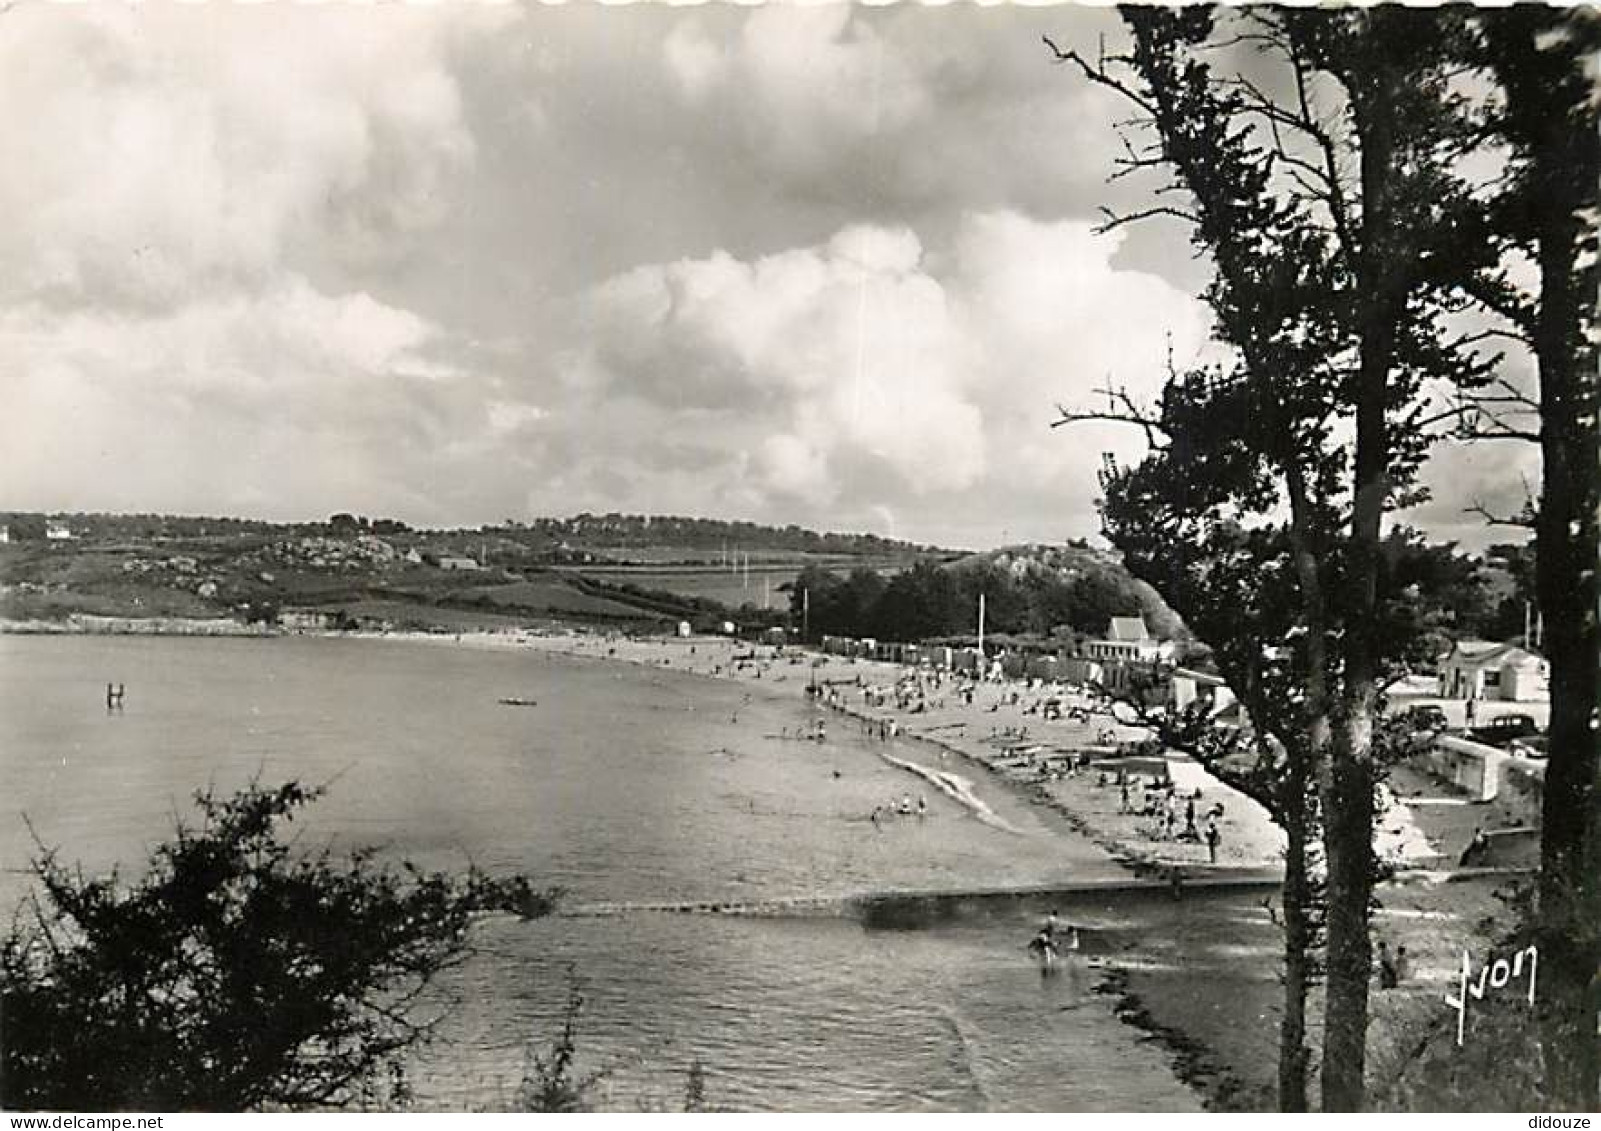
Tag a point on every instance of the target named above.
point(58, 532)
point(304, 620)
point(466, 565)
point(1478, 669)
point(775, 636)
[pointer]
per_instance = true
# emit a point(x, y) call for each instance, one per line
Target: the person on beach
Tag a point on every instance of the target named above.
point(922, 806)
point(1044, 948)
point(1214, 838)
point(1122, 793)
point(1388, 979)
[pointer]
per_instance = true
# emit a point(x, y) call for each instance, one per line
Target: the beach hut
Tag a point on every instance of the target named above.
point(939, 655)
point(1045, 667)
point(1186, 685)
point(1077, 669)
point(683, 628)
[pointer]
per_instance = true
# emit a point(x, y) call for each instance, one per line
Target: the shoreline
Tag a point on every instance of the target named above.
point(1218, 1035)
point(1192, 1060)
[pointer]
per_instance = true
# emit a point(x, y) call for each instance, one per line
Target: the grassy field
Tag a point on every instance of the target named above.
point(714, 585)
point(733, 588)
point(550, 594)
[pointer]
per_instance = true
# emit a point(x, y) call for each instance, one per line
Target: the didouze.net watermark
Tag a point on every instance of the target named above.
point(87, 1122)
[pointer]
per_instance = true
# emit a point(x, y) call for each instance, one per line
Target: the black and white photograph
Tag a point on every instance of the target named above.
point(799, 557)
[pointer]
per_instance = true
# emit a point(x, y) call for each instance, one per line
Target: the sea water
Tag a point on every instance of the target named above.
point(625, 786)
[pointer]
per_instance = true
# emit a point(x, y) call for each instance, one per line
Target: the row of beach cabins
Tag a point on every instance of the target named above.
point(1178, 685)
point(1008, 664)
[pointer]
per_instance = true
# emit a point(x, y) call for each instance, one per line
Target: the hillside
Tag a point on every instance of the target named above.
point(1030, 592)
point(355, 570)
point(1073, 563)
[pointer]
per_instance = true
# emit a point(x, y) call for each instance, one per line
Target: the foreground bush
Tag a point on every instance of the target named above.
point(240, 972)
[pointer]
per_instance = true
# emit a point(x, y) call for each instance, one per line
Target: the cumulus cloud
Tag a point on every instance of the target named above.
point(821, 264)
point(187, 175)
point(866, 371)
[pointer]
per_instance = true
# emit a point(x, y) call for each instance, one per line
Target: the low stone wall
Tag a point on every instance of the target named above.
point(1469, 765)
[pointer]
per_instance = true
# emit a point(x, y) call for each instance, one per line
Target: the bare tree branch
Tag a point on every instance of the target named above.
point(1524, 520)
point(1098, 74)
point(1116, 220)
point(1121, 409)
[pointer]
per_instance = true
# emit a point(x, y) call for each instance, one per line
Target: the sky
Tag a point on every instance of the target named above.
point(463, 263)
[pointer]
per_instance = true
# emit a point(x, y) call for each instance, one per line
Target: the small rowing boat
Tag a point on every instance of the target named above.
point(515, 702)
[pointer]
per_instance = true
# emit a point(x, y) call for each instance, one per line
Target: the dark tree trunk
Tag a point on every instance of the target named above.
point(1298, 938)
point(1348, 790)
point(1540, 56)
point(1348, 843)
point(1302, 771)
point(1566, 551)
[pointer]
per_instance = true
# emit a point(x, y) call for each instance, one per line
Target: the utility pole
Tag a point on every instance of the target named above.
point(981, 635)
point(806, 614)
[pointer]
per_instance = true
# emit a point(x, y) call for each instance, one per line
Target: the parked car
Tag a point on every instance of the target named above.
point(1535, 746)
point(1425, 717)
point(1503, 730)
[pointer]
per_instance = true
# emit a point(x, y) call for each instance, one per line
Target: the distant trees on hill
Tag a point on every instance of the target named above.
point(704, 533)
point(932, 600)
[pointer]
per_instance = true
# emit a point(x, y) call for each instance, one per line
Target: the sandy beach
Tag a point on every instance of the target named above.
point(1221, 1035)
point(1224, 1037)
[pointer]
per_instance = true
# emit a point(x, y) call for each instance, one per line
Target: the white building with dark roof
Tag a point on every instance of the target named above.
point(1480, 669)
point(1126, 639)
